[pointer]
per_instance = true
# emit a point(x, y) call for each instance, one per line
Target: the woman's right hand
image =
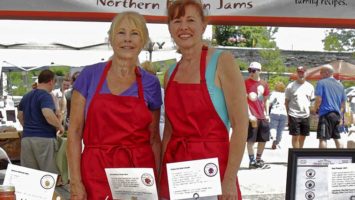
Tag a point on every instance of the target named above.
point(77, 191)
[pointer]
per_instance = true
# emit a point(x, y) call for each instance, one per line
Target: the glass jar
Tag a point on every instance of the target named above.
point(7, 192)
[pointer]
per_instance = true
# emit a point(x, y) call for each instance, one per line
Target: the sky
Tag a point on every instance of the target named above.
point(86, 33)
point(287, 38)
point(291, 38)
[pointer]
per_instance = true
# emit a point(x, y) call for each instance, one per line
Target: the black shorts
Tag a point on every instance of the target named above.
point(298, 126)
point(260, 133)
point(328, 126)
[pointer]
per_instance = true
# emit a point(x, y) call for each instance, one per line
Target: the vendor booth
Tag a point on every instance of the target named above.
point(334, 14)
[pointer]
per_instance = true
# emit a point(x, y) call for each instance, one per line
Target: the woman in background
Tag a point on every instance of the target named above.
point(278, 114)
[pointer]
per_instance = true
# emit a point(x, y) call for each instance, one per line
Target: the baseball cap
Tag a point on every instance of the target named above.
point(301, 69)
point(255, 65)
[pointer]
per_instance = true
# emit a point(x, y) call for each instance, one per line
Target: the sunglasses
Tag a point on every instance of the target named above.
point(253, 70)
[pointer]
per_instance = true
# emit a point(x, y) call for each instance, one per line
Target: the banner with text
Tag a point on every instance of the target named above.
point(322, 13)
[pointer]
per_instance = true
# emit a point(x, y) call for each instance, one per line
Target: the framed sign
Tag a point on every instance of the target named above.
point(307, 171)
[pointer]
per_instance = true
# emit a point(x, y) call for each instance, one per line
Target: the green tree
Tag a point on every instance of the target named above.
point(272, 60)
point(20, 82)
point(255, 36)
point(60, 70)
point(339, 40)
point(222, 33)
point(245, 36)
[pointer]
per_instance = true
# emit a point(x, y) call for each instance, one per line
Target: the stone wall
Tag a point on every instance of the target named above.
point(293, 58)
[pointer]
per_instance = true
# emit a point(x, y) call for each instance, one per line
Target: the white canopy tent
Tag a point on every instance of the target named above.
point(27, 43)
point(26, 59)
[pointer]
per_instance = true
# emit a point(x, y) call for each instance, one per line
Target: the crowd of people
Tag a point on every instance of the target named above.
point(113, 110)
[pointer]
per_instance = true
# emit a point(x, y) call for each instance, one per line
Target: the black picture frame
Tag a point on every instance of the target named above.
point(11, 115)
point(295, 154)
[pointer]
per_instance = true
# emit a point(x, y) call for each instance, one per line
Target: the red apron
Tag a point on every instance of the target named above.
point(116, 135)
point(198, 131)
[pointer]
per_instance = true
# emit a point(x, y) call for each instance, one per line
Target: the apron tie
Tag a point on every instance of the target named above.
point(183, 142)
point(111, 148)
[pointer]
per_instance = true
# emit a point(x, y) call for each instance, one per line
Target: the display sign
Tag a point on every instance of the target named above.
point(307, 172)
point(323, 13)
point(194, 179)
point(30, 183)
point(341, 179)
point(132, 183)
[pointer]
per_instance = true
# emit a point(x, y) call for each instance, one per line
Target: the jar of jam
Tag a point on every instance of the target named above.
point(7, 192)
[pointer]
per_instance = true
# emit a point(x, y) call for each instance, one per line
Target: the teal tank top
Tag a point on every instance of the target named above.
point(215, 92)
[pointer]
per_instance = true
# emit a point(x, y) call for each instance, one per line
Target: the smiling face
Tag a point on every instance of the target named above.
point(128, 35)
point(127, 41)
point(188, 28)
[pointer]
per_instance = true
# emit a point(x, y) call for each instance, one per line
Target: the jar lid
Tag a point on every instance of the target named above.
point(7, 188)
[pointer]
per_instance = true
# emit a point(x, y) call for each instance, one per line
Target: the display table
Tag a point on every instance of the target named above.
point(9, 135)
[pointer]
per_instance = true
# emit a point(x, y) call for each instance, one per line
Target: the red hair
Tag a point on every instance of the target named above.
point(176, 8)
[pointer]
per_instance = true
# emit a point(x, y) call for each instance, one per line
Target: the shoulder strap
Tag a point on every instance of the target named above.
point(212, 66)
point(171, 69)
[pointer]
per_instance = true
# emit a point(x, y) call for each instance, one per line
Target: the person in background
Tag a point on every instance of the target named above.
point(278, 114)
point(68, 95)
point(115, 109)
point(259, 130)
point(56, 104)
point(36, 113)
point(34, 85)
point(299, 95)
point(148, 66)
point(201, 101)
point(329, 104)
point(60, 99)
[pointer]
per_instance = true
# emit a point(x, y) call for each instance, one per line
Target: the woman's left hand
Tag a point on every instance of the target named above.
point(229, 190)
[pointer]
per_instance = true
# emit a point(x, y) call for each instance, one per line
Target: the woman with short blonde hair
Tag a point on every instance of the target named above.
point(115, 110)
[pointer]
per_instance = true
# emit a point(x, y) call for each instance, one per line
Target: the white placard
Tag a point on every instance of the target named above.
point(30, 183)
point(194, 179)
point(132, 183)
point(312, 176)
point(341, 184)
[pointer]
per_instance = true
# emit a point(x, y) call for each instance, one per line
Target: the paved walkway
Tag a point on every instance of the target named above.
point(270, 184)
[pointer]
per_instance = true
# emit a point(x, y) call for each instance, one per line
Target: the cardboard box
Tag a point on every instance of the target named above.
point(11, 143)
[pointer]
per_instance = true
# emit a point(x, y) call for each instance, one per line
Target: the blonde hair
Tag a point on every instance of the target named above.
point(280, 87)
point(135, 19)
point(147, 66)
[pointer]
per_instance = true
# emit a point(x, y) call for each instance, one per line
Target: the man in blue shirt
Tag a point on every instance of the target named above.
point(40, 124)
point(330, 103)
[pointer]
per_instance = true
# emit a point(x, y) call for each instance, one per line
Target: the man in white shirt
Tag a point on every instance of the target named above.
point(299, 94)
point(60, 98)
